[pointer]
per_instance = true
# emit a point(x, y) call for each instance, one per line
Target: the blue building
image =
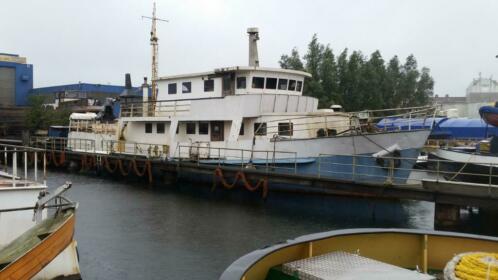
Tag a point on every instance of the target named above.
point(16, 80)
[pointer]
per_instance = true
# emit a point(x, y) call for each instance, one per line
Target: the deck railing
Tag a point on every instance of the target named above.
point(12, 157)
point(135, 149)
point(63, 144)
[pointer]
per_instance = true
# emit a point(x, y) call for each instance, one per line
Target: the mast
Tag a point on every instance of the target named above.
point(155, 50)
point(154, 44)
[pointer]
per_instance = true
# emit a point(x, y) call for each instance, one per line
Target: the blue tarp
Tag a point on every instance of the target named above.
point(453, 128)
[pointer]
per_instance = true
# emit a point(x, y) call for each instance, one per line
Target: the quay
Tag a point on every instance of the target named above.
point(449, 196)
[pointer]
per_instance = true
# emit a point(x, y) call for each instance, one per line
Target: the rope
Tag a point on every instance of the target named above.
point(262, 183)
point(135, 168)
point(107, 165)
point(472, 266)
point(461, 169)
point(61, 161)
point(122, 170)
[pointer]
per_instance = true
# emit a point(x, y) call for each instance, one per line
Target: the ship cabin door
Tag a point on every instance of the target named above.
point(228, 84)
point(217, 131)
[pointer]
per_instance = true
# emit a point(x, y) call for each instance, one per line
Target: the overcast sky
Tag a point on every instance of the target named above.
point(97, 41)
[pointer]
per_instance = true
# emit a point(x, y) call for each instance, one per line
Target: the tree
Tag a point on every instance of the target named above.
point(328, 74)
point(408, 82)
point(372, 78)
point(42, 117)
point(358, 83)
point(352, 97)
point(313, 59)
point(391, 83)
point(291, 62)
point(425, 86)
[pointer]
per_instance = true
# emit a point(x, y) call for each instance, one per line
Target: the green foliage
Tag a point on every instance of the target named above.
point(41, 117)
point(357, 82)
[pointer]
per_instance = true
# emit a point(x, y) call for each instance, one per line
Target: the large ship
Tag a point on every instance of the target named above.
point(251, 116)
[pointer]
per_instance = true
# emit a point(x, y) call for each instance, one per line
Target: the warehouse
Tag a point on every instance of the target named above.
point(16, 80)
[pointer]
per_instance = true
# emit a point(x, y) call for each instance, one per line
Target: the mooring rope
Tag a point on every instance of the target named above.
point(107, 165)
point(262, 183)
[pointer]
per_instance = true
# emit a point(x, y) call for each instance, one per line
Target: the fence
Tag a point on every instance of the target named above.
point(12, 156)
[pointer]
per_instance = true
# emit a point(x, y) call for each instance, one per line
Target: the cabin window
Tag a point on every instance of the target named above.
point(191, 128)
point(285, 129)
point(241, 131)
point(172, 88)
point(208, 85)
point(260, 129)
point(299, 86)
point(241, 82)
point(282, 84)
point(271, 83)
point(160, 128)
point(148, 128)
point(203, 128)
point(292, 85)
point(258, 82)
point(186, 87)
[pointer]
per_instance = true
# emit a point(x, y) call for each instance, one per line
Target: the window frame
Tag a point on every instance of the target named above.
point(189, 87)
point(285, 129)
point(299, 86)
point(280, 83)
point(170, 87)
point(187, 124)
point(207, 128)
point(292, 86)
point(276, 83)
point(242, 129)
point(211, 88)
point(259, 79)
point(148, 128)
point(262, 131)
point(162, 130)
point(240, 85)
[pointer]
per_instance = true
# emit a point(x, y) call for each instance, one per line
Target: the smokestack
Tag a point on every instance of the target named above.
point(127, 81)
point(253, 46)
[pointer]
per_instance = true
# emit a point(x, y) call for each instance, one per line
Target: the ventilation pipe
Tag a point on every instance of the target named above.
point(253, 46)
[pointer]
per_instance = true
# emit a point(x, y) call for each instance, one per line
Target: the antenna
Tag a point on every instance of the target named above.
point(154, 43)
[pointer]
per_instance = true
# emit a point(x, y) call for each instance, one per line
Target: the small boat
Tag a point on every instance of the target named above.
point(28, 254)
point(21, 192)
point(465, 165)
point(372, 254)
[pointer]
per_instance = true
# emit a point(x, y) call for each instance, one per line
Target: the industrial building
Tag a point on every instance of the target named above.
point(480, 92)
point(16, 80)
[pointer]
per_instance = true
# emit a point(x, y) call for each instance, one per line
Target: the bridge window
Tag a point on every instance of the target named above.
point(260, 129)
point(208, 85)
point(160, 128)
point(271, 83)
point(282, 84)
point(204, 128)
point(258, 82)
point(241, 82)
point(172, 88)
point(186, 87)
point(285, 129)
point(292, 85)
point(299, 86)
point(148, 127)
point(191, 128)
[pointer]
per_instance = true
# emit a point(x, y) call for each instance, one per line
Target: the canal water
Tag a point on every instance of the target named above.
point(129, 230)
